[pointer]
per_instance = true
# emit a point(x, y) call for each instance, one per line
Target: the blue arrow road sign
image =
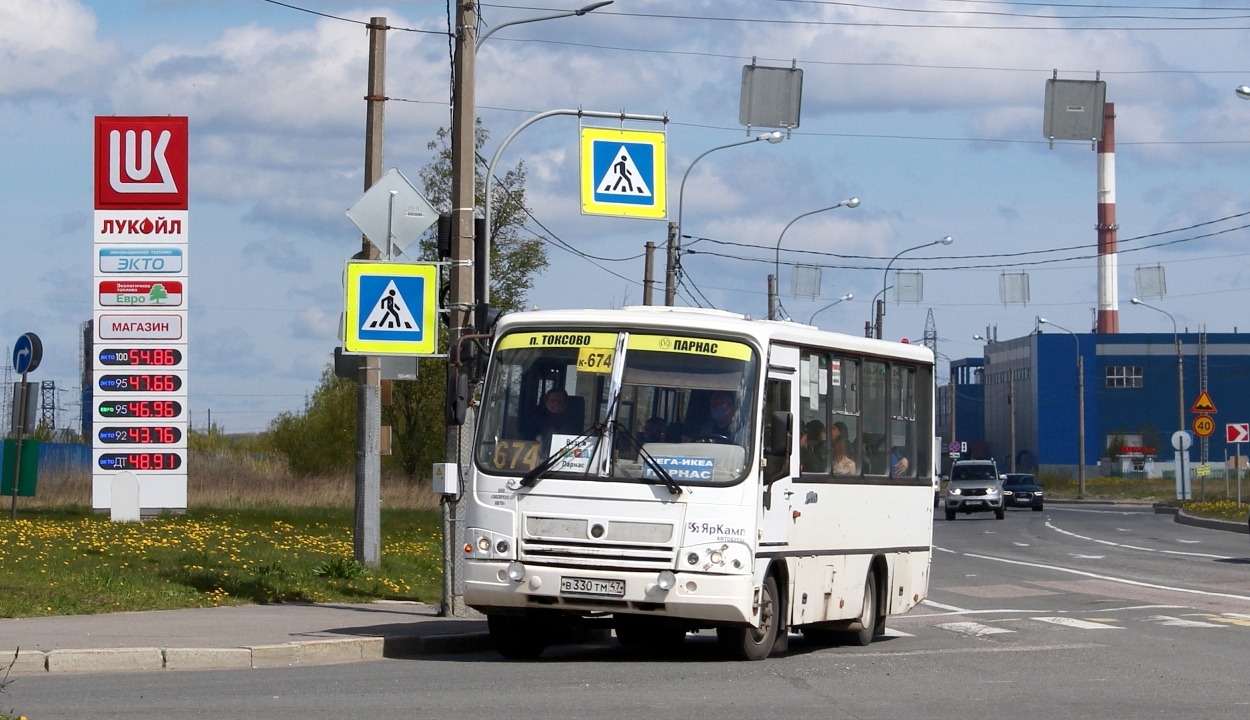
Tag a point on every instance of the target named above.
point(27, 352)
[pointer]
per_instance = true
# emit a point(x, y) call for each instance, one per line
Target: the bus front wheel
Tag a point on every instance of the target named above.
point(868, 617)
point(748, 643)
point(517, 638)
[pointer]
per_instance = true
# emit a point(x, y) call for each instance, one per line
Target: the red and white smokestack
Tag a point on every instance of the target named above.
point(1108, 264)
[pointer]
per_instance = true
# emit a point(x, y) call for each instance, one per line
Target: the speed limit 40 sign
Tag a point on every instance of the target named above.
point(1204, 426)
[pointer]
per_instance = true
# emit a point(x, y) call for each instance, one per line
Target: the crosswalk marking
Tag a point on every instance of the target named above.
point(973, 629)
point(891, 632)
point(1075, 623)
point(1179, 622)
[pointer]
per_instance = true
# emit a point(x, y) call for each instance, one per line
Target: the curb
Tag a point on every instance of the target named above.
point(309, 652)
point(1185, 518)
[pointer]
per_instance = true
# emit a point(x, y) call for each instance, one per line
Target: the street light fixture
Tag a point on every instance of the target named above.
point(1080, 409)
point(844, 298)
point(1176, 338)
point(566, 13)
point(1243, 92)
point(1011, 400)
point(886, 278)
point(776, 276)
point(674, 240)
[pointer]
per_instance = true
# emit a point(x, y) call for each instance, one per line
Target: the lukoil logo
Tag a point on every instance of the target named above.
point(141, 162)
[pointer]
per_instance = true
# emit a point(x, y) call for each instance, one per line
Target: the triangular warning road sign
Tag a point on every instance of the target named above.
point(390, 312)
point(622, 177)
point(1203, 404)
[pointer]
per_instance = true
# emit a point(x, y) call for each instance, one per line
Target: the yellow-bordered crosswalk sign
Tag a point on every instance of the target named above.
point(624, 173)
point(391, 309)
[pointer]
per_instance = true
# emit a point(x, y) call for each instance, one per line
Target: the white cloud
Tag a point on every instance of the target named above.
point(50, 46)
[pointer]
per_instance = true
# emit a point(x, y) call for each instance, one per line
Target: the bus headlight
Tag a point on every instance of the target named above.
point(483, 544)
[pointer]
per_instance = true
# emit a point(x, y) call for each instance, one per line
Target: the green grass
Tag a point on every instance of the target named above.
point(66, 562)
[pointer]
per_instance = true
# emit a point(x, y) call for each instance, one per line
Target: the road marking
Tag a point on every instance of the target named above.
point(1079, 624)
point(1233, 619)
point(1134, 547)
point(1019, 544)
point(973, 629)
point(1124, 530)
point(1188, 542)
point(940, 606)
point(891, 632)
point(1110, 578)
point(991, 649)
point(1178, 622)
point(1087, 557)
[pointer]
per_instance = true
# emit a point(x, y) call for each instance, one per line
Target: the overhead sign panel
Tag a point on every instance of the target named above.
point(1074, 109)
point(391, 309)
point(623, 173)
point(770, 97)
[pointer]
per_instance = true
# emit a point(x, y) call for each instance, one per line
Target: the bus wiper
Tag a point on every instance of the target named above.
point(531, 478)
point(650, 462)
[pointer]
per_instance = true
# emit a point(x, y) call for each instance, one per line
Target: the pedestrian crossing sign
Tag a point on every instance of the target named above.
point(624, 173)
point(391, 309)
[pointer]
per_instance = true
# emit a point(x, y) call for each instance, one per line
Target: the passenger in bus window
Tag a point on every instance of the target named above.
point(653, 430)
point(558, 416)
point(719, 427)
point(842, 462)
point(899, 465)
point(812, 452)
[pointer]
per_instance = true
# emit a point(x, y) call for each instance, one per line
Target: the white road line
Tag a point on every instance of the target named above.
point(1079, 624)
point(1134, 547)
point(973, 629)
point(951, 608)
point(1179, 622)
point(1188, 542)
point(1110, 578)
point(1020, 544)
point(1087, 557)
point(891, 632)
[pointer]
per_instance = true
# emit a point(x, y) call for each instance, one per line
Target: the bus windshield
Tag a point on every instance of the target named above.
point(685, 401)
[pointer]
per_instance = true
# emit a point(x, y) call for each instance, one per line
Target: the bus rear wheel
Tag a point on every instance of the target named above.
point(517, 637)
point(748, 643)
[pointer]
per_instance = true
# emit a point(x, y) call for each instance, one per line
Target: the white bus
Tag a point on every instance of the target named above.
point(665, 470)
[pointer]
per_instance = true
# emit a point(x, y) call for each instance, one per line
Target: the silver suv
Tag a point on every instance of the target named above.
point(975, 486)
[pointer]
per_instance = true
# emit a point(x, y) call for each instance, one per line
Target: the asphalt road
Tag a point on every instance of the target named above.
point(1089, 612)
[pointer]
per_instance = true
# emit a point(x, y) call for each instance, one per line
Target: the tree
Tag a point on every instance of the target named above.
point(416, 413)
point(322, 440)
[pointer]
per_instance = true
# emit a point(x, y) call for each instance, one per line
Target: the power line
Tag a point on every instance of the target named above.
point(349, 20)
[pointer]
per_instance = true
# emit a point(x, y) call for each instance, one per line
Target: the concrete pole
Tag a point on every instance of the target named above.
point(1080, 422)
point(772, 297)
point(648, 275)
point(1108, 284)
point(670, 275)
point(367, 531)
point(1011, 407)
point(461, 277)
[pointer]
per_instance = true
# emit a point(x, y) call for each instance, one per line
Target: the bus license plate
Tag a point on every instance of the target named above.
point(592, 586)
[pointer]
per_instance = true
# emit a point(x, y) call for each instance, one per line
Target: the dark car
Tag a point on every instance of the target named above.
point(1022, 490)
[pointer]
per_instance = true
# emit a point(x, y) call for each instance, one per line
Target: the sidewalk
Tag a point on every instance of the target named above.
point(247, 636)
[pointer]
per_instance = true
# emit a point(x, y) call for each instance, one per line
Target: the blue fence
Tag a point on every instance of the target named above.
point(54, 457)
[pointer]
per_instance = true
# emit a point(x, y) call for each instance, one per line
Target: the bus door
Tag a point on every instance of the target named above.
point(776, 477)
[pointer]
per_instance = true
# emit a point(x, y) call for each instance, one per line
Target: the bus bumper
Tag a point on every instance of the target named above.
point(694, 596)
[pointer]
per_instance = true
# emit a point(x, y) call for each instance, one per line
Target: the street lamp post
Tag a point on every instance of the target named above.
point(1080, 409)
point(1176, 338)
point(886, 278)
point(776, 276)
point(674, 231)
point(1011, 400)
point(844, 298)
point(461, 273)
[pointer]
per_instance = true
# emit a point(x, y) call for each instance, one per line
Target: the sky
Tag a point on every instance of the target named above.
point(929, 111)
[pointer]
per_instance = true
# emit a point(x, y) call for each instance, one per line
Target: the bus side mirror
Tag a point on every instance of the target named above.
point(779, 432)
point(457, 403)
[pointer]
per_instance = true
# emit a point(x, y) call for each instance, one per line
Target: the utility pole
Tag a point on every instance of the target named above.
point(367, 531)
point(648, 276)
point(460, 274)
point(670, 277)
